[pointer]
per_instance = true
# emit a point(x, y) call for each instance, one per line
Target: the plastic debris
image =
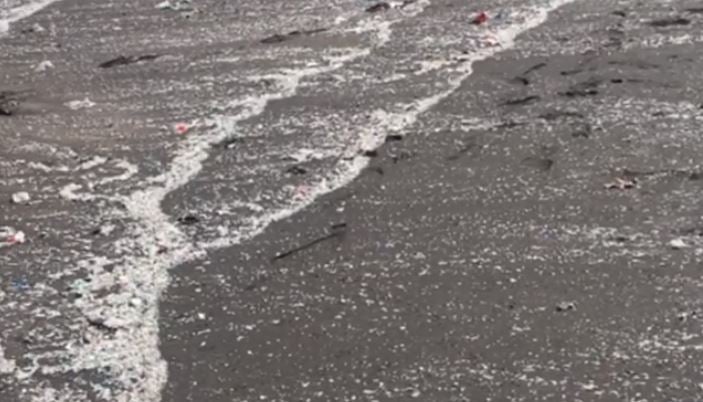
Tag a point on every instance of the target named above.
point(10, 237)
point(175, 5)
point(21, 197)
point(21, 285)
point(481, 18)
point(80, 104)
point(43, 66)
point(678, 244)
point(305, 155)
point(181, 128)
point(621, 184)
point(565, 306)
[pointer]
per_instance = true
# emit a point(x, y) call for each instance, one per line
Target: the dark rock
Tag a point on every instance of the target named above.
point(297, 170)
point(370, 153)
point(668, 22)
point(620, 13)
point(522, 101)
point(188, 220)
point(383, 6)
point(534, 68)
point(394, 137)
point(125, 60)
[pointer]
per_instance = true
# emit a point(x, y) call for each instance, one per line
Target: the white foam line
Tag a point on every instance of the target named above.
point(385, 123)
point(8, 17)
point(156, 244)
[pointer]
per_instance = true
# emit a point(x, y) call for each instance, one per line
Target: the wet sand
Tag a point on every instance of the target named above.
point(482, 256)
point(531, 234)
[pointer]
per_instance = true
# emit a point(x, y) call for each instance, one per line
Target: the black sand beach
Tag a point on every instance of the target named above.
point(530, 234)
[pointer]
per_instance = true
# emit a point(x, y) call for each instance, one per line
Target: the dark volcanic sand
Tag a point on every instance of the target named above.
point(481, 255)
point(482, 263)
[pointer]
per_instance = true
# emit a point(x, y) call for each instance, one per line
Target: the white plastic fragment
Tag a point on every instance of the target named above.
point(678, 244)
point(21, 197)
point(43, 66)
point(80, 104)
point(10, 237)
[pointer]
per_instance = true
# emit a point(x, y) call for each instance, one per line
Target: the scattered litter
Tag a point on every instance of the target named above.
point(36, 28)
point(104, 230)
point(305, 155)
point(181, 128)
point(10, 237)
point(43, 66)
point(21, 197)
point(125, 60)
point(175, 5)
point(621, 184)
point(80, 104)
point(481, 18)
point(565, 306)
point(21, 285)
point(68, 192)
point(678, 244)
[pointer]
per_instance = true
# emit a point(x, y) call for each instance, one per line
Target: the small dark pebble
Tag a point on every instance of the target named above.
point(370, 153)
point(534, 68)
point(339, 226)
point(394, 137)
point(521, 101)
point(617, 81)
point(668, 22)
point(125, 60)
point(620, 13)
point(188, 220)
point(297, 170)
point(383, 6)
